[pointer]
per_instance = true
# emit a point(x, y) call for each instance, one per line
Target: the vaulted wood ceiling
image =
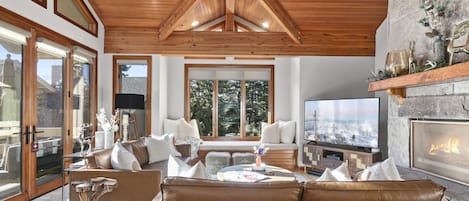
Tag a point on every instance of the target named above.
point(296, 27)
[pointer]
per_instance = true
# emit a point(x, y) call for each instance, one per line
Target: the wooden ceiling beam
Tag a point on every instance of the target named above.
point(281, 16)
point(144, 41)
point(167, 27)
point(211, 24)
point(230, 14)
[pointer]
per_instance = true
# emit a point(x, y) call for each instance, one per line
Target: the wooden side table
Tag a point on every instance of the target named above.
point(95, 188)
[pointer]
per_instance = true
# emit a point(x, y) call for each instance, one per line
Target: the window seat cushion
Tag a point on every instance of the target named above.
point(241, 146)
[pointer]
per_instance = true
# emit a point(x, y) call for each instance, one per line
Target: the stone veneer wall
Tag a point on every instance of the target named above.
point(437, 101)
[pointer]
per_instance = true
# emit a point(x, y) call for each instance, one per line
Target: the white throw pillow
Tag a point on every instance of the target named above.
point(341, 173)
point(122, 159)
point(385, 170)
point(171, 126)
point(185, 130)
point(177, 167)
point(287, 131)
point(327, 176)
point(158, 148)
point(270, 134)
point(195, 126)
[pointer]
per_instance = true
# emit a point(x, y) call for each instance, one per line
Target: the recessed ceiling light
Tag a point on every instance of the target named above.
point(265, 25)
point(195, 23)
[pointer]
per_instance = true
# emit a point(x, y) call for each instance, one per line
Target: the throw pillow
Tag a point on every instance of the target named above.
point(177, 167)
point(287, 131)
point(390, 169)
point(185, 130)
point(385, 170)
point(270, 134)
point(195, 126)
point(327, 176)
point(158, 148)
point(341, 173)
point(171, 126)
point(122, 159)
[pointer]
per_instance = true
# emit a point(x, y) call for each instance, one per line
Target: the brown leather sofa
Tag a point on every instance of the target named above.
point(132, 185)
point(180, 189)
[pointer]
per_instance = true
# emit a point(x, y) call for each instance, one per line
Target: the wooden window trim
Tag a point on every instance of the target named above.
point(92, 23)
point(215, 136)
point(116, 84)
point(42, 3)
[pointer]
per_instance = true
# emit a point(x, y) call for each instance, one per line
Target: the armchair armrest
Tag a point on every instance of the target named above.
point(131, 185)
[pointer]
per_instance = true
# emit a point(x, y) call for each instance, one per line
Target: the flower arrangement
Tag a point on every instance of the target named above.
point(108, 125)
point(260, 150)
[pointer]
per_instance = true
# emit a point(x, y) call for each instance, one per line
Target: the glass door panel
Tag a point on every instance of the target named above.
point(133, 75)
point(81, 104)
point(11, 67)
point(50, 118)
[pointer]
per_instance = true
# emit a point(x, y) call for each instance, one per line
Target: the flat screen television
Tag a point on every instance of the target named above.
point(353, 123)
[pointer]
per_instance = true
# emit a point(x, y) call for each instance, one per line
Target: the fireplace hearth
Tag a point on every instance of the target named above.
point(441, 148)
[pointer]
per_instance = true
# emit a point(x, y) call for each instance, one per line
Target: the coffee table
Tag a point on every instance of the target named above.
point(246, 173)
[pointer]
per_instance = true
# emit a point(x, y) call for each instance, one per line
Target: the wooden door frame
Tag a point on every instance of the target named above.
point(28, 114)
point(116, 84)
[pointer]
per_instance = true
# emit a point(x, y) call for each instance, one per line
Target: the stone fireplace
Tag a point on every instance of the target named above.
point(441, 148)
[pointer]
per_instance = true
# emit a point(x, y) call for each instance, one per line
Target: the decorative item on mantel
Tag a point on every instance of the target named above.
point(85, 140)
point(458, 31)
point(435, 13)
point(109, 126)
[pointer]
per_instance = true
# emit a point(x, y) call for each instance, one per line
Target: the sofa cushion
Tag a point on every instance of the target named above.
point(178, 188)
point(103, 159)
point(140, 152)
point(421, 190)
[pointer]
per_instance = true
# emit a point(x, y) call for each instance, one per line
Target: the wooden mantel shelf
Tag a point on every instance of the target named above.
point(397, 85)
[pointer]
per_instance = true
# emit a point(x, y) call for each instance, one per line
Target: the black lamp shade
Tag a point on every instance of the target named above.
point(129, 101)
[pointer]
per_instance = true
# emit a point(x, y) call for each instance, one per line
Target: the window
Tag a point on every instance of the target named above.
point(229, 102)
point(132, 75)
point(76, 12)
point(82, 76)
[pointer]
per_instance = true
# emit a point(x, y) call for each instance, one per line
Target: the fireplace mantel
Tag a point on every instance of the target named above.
point(397, 85)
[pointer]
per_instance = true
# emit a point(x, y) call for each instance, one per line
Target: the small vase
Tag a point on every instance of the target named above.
point(99, 140)
point(258, 161)
point(108, 139)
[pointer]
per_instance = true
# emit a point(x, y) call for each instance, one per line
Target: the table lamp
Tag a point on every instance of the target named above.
point(129, 102)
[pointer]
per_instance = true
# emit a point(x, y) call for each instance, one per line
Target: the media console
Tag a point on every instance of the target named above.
point(319, 157)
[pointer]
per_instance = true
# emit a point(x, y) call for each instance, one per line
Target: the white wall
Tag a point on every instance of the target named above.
point(47, 18)
point(330, 78)
point(382, 35)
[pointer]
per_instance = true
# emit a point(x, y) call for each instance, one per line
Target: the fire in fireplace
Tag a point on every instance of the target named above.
point(440, 148)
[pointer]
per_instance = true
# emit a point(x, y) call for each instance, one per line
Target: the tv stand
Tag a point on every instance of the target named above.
point(319, 157)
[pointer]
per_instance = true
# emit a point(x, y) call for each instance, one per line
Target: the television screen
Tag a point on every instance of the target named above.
point(352, 122)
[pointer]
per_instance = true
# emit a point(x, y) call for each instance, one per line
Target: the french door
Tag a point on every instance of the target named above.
point(31, 118)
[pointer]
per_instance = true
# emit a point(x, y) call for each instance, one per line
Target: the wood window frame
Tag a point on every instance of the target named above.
point(42, 3)
point(116, 84)
point(92, 23)
point(29, 65)
point(242, 129)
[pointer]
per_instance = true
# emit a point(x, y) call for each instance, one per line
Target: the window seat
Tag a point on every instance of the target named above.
point(281, 155)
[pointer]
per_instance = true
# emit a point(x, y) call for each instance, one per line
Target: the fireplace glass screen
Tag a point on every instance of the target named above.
point(441, 148)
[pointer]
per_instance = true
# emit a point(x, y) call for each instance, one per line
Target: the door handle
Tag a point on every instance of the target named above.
point(26, 135)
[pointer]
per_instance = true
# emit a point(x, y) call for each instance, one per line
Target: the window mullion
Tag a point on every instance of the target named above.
point(242, 124)
point(215, 109)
